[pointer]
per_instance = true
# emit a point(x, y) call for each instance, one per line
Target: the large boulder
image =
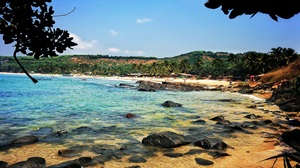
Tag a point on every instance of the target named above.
point(287, 97)
point(165, 139)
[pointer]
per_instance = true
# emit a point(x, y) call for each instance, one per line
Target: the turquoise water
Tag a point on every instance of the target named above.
point(99, 107)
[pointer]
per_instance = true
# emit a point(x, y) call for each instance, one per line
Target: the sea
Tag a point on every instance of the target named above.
point(64, 112)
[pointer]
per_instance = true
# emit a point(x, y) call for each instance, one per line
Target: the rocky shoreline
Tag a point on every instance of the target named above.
point(139, 152)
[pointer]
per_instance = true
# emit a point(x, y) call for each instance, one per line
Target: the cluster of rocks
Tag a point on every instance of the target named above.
point(153, 86)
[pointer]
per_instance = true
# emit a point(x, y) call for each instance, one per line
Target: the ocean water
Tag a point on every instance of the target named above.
point(93, 111)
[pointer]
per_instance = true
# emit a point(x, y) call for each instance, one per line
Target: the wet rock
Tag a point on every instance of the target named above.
point(3, 164)
point(68, 153)
point(171, 104)
point(223, 122)
point(234, 127)
point(203, 144)
point(33, 162)
point(137, 159)
point(194, 152)
point(218, 118)
point(252, 106)
point(173, 155)
point(126, 85)
point(129, 115)
point(203, 162)
point(220, 145)
point(134, 167)
point(61, 132)
point(200, 122)
point(25, 140)
point(86, 161)
point(83, 129)
point(146, 90)
point(252, 116)
point(165, 139)
point(293, 122)
point(268, 121)
point(217, 154)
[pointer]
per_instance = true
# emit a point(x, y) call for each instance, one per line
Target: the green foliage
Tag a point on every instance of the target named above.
point(199, 63)
point(280, 8)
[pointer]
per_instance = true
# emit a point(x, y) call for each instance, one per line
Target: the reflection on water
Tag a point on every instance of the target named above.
point(92, 114)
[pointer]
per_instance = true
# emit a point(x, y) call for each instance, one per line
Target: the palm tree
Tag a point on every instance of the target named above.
point(184, 66)
point(198, 64)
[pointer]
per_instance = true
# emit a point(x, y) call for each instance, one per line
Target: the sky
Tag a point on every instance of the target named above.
point(166, 28)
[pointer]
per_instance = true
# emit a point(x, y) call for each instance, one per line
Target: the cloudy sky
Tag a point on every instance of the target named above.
point(166, 28)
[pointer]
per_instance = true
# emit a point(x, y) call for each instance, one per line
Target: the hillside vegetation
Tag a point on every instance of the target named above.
point(200, 64)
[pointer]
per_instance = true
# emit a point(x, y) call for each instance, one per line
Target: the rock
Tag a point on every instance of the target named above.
point(203, 144)
point(203, 162)
point(292, 138)
point(3, 164)
point(194, 152)
point(268, 121)
point(25, 140)
point(217, 154)
point(199, 122)
point(41, 132)
point(165, 139)
point(35, 162)
point(173, 155)
point(148, 86)
point(218, 118)
point(293, 122)
point(220, 146)
point(61, 132)
point(129, 115)
point(252, 106)
point(252, 116)
point(287, 96)
point(137, 159)
point(223, 122)
point(126, 85)
point(234, 127)
point(68, 153)
point(171, 104)
point(86, 161)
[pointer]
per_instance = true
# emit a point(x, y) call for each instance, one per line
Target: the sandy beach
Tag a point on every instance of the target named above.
point(246, 156)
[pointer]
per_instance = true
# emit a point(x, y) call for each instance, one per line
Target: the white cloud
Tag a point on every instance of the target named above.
point(113, 33)
point(126, 52)
point(83, 44)
point(143, 20)
point(129, 52)
point(114, 50)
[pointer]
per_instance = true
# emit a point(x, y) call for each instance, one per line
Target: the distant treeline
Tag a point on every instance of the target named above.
point(198, 63)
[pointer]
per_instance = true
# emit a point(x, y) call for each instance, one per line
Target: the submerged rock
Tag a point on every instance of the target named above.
point(171, 104)
point(165, 139)
point(25, 140)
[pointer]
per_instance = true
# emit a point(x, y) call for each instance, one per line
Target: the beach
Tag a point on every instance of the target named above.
point(248, 150)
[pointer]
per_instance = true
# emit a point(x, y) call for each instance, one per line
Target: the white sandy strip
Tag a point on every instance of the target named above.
point(207, 82)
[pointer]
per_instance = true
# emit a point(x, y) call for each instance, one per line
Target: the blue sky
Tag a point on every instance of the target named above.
point(166, 28)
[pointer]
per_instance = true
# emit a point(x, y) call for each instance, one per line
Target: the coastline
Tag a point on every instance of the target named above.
point(242, 157)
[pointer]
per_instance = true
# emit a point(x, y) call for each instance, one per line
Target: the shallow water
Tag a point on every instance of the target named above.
point(93, 112)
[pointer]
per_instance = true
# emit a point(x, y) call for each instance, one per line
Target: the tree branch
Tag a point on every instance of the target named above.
point(21, 66)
